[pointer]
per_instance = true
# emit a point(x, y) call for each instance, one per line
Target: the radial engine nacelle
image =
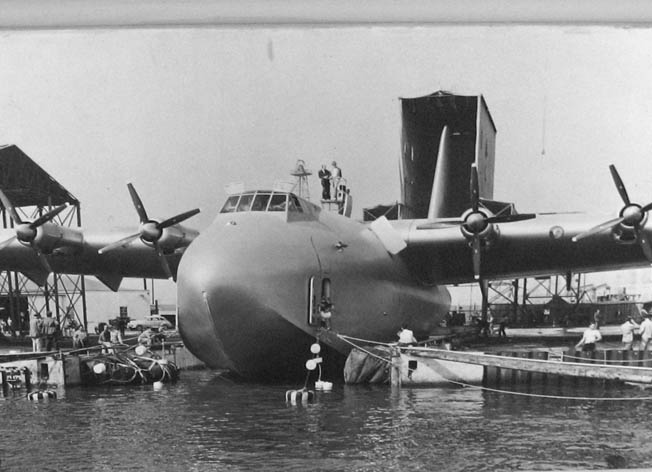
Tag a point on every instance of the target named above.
point(50, 236)
point(174, 237)
point(477, 224)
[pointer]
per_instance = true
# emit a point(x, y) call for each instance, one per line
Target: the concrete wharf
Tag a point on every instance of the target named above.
point(427, 365)
point(63, 367)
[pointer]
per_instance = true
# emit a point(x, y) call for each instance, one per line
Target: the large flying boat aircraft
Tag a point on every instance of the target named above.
point(249, 285)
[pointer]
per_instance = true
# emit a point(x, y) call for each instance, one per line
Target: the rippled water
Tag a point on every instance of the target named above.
point(205, 422)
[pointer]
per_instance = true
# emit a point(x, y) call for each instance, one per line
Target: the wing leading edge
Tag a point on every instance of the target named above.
point(480, 245)
point(40, 247)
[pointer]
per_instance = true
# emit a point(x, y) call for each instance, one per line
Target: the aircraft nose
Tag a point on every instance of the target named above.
point(239, 306)
point(199, 285)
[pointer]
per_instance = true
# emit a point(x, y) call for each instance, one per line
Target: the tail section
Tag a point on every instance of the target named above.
point(442, 135)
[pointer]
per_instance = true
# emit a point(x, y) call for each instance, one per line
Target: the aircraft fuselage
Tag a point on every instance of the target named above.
point(248, 289)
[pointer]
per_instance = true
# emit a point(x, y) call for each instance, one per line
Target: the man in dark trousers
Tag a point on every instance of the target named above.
point(50, 326)
point(325, 177)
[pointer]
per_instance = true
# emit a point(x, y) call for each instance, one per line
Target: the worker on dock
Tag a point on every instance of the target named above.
point(628, 328)
point(79, 337)
point(646, 330)
point(104, 339)
point(36, 332)
point(589, 338)
point(502, 324)
point(50, 330)
point(406, 336)
point(116, 337)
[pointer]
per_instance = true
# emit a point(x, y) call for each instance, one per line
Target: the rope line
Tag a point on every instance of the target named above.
point(539, 395)
point(345, 338)
point(389, 361)
point(607, 361)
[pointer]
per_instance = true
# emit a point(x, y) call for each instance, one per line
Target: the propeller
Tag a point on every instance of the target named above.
point(631, 215)
point(476, 221)
point(26, 232)
point(149, 231)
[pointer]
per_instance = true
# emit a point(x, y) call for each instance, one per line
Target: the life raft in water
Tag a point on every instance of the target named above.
point(42, 395)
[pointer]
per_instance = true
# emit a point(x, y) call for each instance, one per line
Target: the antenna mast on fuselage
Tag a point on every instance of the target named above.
point(301, 188)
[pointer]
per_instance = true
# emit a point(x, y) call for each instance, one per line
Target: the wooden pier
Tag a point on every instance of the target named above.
point(425, 365)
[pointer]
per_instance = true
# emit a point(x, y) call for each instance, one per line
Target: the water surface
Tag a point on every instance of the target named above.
point(205, 422)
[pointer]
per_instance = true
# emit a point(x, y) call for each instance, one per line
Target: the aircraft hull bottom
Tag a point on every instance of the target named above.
point(271, 350)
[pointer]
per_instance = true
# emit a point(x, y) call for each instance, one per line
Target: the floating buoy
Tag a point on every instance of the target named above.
point(140, 350)
point(99, 369)
point(42, 395)
point(158, 385)
point(323, 385)
point(303, 396)
point(315, 348)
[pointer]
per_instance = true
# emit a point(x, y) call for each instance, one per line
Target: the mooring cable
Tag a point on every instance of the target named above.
point(539, 395)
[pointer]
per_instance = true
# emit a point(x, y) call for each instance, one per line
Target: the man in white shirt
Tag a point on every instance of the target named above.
point(589, 338)
point(645, 330)
point(406, 336)
point(628, 328)
point(336, 176)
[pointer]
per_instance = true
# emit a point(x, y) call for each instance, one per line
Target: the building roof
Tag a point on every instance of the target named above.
point(26, 184)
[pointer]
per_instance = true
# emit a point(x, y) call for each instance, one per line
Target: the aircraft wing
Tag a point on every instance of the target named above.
point(72, 251)
point(442, 252)
point(37, 248)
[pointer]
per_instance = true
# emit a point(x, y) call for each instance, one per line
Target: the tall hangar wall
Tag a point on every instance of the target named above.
point(473, 139)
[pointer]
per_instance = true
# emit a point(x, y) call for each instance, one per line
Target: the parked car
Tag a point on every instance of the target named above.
point(154, 321)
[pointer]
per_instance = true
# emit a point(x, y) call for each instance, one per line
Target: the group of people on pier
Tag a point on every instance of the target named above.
point(44, 332)
point(629, 329)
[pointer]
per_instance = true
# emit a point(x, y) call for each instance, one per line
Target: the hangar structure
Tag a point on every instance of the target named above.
point(33, 192)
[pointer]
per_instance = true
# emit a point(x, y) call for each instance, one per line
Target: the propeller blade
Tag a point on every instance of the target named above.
point(475, 246)
point(178, 219)
point(140, 208)
point(442, 224)
point(569, 281)
point(164, 261)
point(44, 260)
point(619, 184)
point(47, 217)
point(484, 290)
point(645, 245)
point(7, 242)
point(10, 208)
point(511, 218)
point(475, 189)
point(598, 229)
point(646, 208)
point(117, 244)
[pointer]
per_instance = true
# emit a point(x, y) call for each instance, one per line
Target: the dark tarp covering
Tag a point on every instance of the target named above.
point(362, 367)
point(26, 184)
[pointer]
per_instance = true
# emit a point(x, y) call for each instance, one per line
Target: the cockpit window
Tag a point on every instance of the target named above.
point(277, 202)
point(245, 202)
point(260, 202)
point(294, 205)
point(230, 204)
point(263, 201)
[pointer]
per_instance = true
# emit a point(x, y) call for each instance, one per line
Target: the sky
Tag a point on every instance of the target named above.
point(183, 112)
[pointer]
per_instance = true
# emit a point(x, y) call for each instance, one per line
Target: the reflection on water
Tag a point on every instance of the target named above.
point(204, 422)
